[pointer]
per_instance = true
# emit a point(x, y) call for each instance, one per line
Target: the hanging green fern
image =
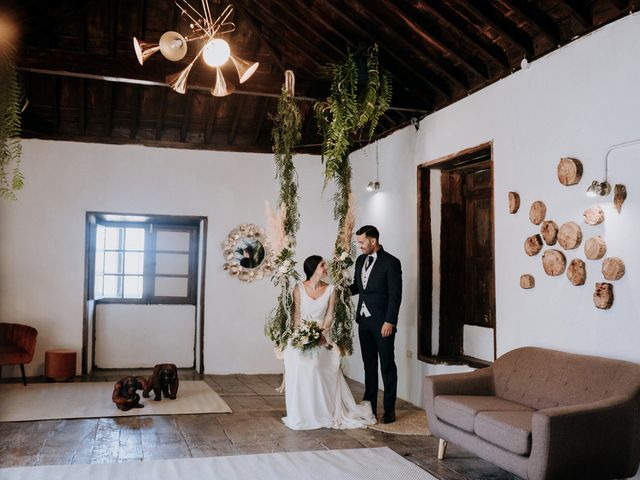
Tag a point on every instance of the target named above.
point(11, 178)
point(341, 118)
point(286, 135)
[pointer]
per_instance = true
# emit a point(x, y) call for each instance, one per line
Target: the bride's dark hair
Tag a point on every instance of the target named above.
point(310, 265)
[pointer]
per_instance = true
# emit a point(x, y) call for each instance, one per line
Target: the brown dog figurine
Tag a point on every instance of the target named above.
point(124, 392)
point(164, 381)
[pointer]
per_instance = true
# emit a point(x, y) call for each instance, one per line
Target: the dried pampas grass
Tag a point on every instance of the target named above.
point(276, 236)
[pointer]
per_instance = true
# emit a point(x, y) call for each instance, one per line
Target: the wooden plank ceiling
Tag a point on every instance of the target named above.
point(83, 81)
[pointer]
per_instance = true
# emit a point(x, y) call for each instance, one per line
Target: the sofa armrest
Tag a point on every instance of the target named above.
point(478, 382)
point(591, 440)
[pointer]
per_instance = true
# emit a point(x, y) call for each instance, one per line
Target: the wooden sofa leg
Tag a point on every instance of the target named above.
point(24, 378)
point(442, 449)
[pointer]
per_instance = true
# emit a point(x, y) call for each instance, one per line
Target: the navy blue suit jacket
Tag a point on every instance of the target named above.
point(384, 288)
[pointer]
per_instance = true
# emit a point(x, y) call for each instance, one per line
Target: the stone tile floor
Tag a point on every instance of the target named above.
point(253, 427)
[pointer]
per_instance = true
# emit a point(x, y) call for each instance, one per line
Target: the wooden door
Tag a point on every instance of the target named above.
point(479, 266)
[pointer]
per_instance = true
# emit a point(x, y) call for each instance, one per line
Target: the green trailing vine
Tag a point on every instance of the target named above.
point(354, 105)
point(11, 178)
point(286, 135)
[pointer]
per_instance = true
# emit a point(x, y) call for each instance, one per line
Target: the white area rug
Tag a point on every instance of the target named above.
point(47, 401)
point(354, 464)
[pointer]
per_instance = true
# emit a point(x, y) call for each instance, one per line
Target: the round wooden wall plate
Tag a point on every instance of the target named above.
point(595, 248)
point(514, 202)
point(553, 262)
point(533, 245)
point(537, 212)
point(577, 272)
point(613, 268)
point(569, 236)
point(549, 231)
point(594, 215)
point(569, 171)
point(527, 281)
point(603, 296)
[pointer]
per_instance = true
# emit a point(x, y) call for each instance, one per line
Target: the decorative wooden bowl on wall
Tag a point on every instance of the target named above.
point(533, 245)
point(549, 232)
point(613, 268)
point(537, 212)
point(514, 202)
point(569, 171)
point(554, 262)
point(569, 236)
point(603, 296)
point(577, 272)
point(595, 248)
point(527, 281)
point(594, 215)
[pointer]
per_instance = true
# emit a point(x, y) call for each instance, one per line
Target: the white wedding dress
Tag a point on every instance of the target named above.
point(316, 392)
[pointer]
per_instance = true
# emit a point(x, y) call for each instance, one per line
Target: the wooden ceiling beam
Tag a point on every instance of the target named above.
point(439, 86)
point(135, 112)
point(277, 56)
point(534, 17)
point(434, 41)
point(580, 12)
point(186, 115)
point(231, 138)
point(492, 53)
point(262, 113)
point(442, 90)
point(161, 105)
point(300, 44)
point(213, 107)
point(514, 36)
point(82, 107)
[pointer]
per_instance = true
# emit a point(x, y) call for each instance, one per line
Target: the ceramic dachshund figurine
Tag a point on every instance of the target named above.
point(124, 392)
point(164, 381)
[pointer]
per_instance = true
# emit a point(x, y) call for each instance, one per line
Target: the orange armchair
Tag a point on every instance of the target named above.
point(17, 344)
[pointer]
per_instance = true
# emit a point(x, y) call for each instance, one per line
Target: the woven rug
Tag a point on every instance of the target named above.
point(408, 422)
point(47, 401)
point(351, 464)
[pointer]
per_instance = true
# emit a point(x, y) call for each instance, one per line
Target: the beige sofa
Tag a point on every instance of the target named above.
point(543, 414)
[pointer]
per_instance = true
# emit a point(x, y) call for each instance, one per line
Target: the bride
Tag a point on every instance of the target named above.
point(316, 392)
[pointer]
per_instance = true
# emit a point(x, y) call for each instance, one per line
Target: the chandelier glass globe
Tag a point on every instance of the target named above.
point(216, 52)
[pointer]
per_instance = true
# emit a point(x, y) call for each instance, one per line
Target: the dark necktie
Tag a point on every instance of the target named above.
point(368, 262)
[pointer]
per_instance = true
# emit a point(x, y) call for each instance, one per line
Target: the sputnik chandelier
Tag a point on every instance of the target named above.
point(215, 51)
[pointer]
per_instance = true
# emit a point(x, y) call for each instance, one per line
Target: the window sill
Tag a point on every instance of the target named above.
point(455, 360)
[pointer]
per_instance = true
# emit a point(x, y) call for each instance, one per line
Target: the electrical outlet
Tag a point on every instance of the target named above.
point(409, 354)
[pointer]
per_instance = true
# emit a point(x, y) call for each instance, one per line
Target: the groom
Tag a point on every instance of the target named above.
point(378, 281)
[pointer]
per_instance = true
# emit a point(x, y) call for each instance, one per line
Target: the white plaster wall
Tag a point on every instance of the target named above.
point(576, 102)
point(42, 236)
point(144, 335)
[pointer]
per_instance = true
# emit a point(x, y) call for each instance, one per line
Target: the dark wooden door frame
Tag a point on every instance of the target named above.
point(425, 250)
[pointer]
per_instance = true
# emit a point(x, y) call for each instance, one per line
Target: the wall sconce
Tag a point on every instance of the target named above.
point(374, 185)
point(604, 188)
point(215, 51)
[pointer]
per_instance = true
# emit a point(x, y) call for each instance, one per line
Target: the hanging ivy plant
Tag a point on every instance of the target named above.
point(286, 135)
point(355, 105)
point(11, 179)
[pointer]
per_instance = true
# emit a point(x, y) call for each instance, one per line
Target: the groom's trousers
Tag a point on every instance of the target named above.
point(373, 346)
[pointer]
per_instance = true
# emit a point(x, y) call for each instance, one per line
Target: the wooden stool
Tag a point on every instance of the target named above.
point(59, 365)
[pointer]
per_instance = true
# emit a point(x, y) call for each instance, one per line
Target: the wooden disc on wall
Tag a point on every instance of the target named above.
point(537, 212)
point(613, 268)
point(570, 235)
point(569, 171)
point(533, 245)
point(619, 196)
point(577, 272)
point(553, 262)
point(514, 202)
point(595, 248)
point(527, 281)
point(549, 231)
point(593, 215)
point(603, 296)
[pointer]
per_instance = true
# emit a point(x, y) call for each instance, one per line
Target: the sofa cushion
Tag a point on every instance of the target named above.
point(461, 410)
point(509, 430)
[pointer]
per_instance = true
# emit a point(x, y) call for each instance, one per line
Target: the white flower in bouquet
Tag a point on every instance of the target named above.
point(344, 256)
point(286, 263)
point(282, 269)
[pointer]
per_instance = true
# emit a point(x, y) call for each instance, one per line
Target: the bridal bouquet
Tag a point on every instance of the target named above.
point(308, 336)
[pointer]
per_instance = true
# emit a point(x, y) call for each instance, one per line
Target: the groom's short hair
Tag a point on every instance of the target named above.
point(370, 231)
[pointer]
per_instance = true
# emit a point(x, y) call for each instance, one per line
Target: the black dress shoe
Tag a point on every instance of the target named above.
point(388, 417)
